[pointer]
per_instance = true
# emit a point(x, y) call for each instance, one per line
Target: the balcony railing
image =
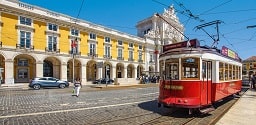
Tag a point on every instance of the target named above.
point(107, 57)
point(151, 61)
point(130, 59)
point(76, 53)
point(19, 46)
point(120, 58)
point(92, 55)
point(52, 50)
point(140, 60)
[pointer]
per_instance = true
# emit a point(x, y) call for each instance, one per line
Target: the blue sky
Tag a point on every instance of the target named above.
point(123, 15)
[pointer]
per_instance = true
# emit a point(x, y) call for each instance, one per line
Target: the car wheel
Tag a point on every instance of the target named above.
point(62, 86)
point(36, 86)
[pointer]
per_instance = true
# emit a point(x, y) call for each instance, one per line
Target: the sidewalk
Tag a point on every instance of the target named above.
point(243, 112)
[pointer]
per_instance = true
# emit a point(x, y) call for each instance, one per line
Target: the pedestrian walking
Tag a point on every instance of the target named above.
point(253, 81)
point(78, 86)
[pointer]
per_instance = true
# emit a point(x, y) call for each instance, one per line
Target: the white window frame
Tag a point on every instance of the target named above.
point(92, 36)
point(120, 53)
point(51, 27)
point(107, 39)
point(26, 21)
point(25, 39)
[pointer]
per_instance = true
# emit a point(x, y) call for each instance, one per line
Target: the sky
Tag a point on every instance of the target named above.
point(123, 15)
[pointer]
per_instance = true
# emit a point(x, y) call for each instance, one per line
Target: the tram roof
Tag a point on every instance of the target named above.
point(193, 46)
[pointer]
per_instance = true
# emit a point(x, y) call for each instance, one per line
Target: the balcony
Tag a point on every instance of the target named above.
point(76, 53)
point(130, 59)
point(52, 50)
point(19, 46)
point(92, 55)
point(151, 61)
point(140, 60)
point(120, 58)
point(107, 57)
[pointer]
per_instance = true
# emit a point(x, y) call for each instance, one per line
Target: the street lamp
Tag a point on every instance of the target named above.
point(74, 47)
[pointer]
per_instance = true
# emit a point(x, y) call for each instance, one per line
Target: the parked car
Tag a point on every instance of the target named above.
point(103, 81)
point(42, 82)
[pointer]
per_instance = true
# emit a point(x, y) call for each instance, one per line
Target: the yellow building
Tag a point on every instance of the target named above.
point(36, 42)
point(249, 66)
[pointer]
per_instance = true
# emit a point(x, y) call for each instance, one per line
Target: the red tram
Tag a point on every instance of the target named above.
point(195, 76)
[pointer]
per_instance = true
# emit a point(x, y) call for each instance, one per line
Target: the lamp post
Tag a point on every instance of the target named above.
point(73, 46)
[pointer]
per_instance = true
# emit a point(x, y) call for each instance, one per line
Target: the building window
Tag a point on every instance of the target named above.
point(74, 46)
point(120, 43)
point(25, 39)
point(107, 51)
point(140, 47)
point(92, 49)
point(93, 36)
point(140, 55)
point(131, 55)
point(151, 59)
point(107, 39)
point(25, 21)
point(74, 32)
point(120, 53)
point(52, 27)
point(22, 62)
point(23, 73)
point(52, 43)
point(131, 45)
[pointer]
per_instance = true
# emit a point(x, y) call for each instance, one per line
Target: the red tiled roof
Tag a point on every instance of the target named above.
point(250, 59)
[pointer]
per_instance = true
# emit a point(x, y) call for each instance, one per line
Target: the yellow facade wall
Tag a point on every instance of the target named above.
point(100, 47)
point(9, 30)
point(39, 38)
point(114, 49)
point(64, 41)
point(83, 43)
point(125, 50)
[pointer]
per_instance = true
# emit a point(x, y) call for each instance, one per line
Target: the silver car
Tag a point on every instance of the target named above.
point(42, 82)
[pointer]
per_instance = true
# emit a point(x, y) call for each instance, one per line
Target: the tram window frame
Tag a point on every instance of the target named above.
point(171, 73)
point(221, 71)
point(225, 71)
point(230, 72)
point(190, 69)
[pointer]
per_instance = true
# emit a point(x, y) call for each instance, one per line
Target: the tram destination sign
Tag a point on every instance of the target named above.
point(191, 43)
point(230, 53)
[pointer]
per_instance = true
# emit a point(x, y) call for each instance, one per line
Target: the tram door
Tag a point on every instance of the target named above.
point(207, 82)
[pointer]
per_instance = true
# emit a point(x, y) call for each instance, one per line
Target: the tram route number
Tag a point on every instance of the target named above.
point(173, 87)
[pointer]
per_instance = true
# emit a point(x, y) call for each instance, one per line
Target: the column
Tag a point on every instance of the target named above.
point(9, 78)
point(63, 71)
point(113, 72)
point(39, 69)
point(125, 72)
point(83, 73)
point(135, 72)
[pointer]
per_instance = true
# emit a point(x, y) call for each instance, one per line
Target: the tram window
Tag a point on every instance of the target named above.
point(172, 69)
point(226, 72)
point(221, 71)
point(234, 72)
point(230, 72)
point(190, 67)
